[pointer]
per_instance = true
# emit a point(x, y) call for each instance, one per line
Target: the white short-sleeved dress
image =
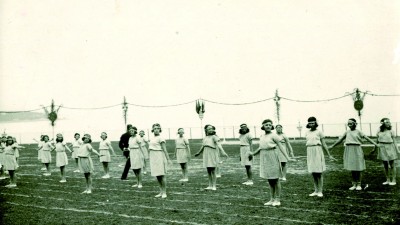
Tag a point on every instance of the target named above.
point(245, 141)
point(182, 154)
point(46, 149)
point(387, 149)
point(76, 145)
point(282, 140)
point(2, 155)
point(315, 155)
point(104, 148)
point(61, 156)
point(211, 151)
point(353, 155)
point(85, 163)
point(9, 161)
point(135, 154)
point(270, 167)
point(40, 144)
point(158, 160)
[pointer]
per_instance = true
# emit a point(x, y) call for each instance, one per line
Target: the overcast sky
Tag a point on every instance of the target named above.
point(92, 53)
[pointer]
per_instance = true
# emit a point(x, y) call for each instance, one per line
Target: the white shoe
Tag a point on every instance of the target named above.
point(77, 171)
point(352, 188)
point(63, 181)
point(283, 179)
point(159, 195)
point(43, 169)
point(85, 191)
point(319, 194)
point(386, 183)
point(185, 180)
point(11, 186)
point(358, 188)
point(46, 174)
point(144, 172)
point(89, 192)
point(219, 175)
point(163, 195)
point(3, 178)
point(269, 203)
point(140, 186)
point(245, 183)
point(213, 188)
point(392, 183)
point(135, 185)
point(276, 203)
point(249, 183)
point(208, 188)
point(313, 194)
point(107, 176)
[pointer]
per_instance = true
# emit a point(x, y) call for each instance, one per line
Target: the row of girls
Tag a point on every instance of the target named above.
point(274, 150)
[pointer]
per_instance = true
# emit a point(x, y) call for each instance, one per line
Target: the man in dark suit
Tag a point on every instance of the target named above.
point(124, 146)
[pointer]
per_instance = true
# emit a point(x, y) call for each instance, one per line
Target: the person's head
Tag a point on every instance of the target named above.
point(128, 127)
point(59, 138)
point(267, 125)
point(46, 138)
point(278, 128)
point(156, 129)
point(352, 123)
point(77, 136)
point(132, 131)
point(87, 138)
point(209, 130)
point(244, 129)
point(10, 140)
point(3, 138)
point(312, 123)
point(42, 137)
point(181, 131)
point(141, 133)
point(103, 135)
point(385, 124)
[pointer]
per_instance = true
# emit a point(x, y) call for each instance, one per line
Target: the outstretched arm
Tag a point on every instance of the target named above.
point(327, 149)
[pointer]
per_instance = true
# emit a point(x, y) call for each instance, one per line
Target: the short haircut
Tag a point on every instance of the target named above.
point(267, 121)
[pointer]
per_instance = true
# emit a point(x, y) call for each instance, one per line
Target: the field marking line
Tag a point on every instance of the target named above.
point(105, 213)
point(157, 208)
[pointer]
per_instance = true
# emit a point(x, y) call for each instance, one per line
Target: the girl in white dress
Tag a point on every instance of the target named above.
point(287, 147)
point(182, 152)
point(85, 161)
point(353, 155)
point(144, 141)
point(3, 144)
point(270, 167)
point(388, 150)
point(105, 156)
point(136, 155)
point(9, 161)
point(315, 141)
point(61, 156)
point(39, 149)
point(159, 159)
point(246, 146)
point(211, 149)
point(76, 145)
point(46, 148)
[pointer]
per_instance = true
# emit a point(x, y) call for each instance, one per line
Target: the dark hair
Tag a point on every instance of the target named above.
point(76, 134)
point(267, 121)
point(312, 119)
point(104, 133)
point(205, 130)
point(156, 125)
point(90, 140)
point(9, 137)
point(383, 126)
point(59, 139)
point(42, 137)
point(128, 126)
point(244, 131)
point(135, 130)
point(180, 129)
point(45, 136)
point(354, 122)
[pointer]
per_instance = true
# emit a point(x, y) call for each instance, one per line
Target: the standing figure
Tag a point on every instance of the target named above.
point(39, 149)
point(315, 141)
point(76, 145)
point(136, 156)
point(61, 156)
point(10, 163)
point(287, 147)
point(353, 155)
point(3, 144)
point(124, 146)
point(159, 159)
point(105, 156)
point(144, 140)
point(46, 148)
point(388, 150)
point(246, 147)
point(182, 152)
point(211, 150)
point(85, 161)
point(270, 167)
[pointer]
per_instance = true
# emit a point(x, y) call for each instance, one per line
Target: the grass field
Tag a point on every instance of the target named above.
point(43, 200)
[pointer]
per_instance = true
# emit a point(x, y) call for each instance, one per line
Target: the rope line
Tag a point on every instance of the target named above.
point(206, 100)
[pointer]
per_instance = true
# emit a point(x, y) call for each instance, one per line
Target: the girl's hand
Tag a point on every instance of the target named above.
point(291, 159)
point(197, 154)
point(226, 155)
point(332, 158)
point(251, 156)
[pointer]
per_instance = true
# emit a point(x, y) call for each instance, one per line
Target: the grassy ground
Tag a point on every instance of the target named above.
point(43, 200)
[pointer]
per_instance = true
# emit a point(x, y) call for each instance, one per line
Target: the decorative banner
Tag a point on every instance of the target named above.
point(278, 105)
point(200, 108)
point(52, 115)
point(125, 109)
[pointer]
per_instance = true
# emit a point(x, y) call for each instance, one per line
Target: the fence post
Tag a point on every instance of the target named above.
point(322, 127)
point(233, 131)
point(255, 132)
point(169, 133)
point(370, 130)
point(190, 130)
point(396, 130)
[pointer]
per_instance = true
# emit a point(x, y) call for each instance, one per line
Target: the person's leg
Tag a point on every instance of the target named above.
point(271, 192)
point(386, 171)
point(90, 185)
point(87, 182)
point(315, 181)
point(126, 169)
point(77, 165)
point(213, 179)
point(47, 168)
point(320, 184)
point(12, 177)
point(249, 174)
point(284, 169)
point(62, 170)
point(138, 174)
point(392, 169)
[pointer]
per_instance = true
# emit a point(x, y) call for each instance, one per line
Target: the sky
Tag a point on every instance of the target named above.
point(86, 54)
